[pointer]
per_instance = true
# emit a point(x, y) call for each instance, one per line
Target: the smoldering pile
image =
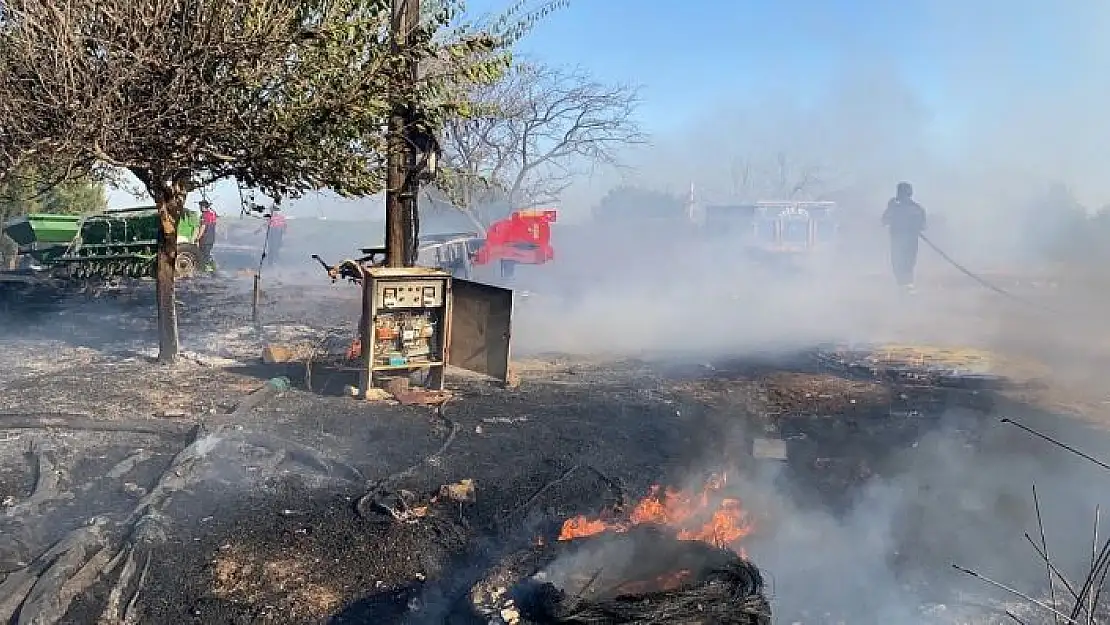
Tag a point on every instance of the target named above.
point(639, 576)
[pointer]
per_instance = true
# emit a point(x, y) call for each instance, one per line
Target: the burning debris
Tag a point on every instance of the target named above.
point(706, 516)
point(657, 579)
point(642, 574)
point(674, 558)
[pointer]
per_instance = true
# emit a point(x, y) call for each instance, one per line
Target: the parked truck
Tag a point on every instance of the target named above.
point(523, 238)
point(774, 230)
point(113, 244)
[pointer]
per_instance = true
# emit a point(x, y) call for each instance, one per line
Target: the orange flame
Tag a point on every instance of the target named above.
point(704, 516)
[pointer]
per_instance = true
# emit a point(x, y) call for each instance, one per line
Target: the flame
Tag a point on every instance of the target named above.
point(705, 516)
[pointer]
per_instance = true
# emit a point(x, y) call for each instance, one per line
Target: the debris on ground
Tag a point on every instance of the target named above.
point(401, 391)
point(399, 504)
point(107, 513)
point(769, 448)
point(372, 394)
point(641, 576)
point(271, 389)
point(462, 491)
point(275, 353)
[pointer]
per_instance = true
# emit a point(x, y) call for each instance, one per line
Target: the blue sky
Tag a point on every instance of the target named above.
point(1019, 86)
point(698, 53)
point(1014, 83)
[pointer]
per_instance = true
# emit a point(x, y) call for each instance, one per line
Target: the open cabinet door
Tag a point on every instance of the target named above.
point(481, 328)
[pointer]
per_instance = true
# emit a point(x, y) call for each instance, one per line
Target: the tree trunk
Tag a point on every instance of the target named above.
point(171, 205)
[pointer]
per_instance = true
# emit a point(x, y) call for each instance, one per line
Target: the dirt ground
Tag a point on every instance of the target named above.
point(256, 516)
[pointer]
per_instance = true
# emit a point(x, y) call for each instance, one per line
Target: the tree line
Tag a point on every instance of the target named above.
point(288, 97)
point(29, 191)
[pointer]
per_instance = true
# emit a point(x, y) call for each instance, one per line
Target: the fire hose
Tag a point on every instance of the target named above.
point(982, 281)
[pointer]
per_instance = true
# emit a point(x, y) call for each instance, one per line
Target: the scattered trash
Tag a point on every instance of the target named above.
point(462, 491)
point(400, 390)
point(272, 388)
point(769, 448)
point(374, 394)
point(510, 615)
point(505, 420)
point(397, 504)
point(277, 354)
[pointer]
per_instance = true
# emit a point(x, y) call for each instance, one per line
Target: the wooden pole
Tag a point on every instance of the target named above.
point(366, 337)
point(256, 296)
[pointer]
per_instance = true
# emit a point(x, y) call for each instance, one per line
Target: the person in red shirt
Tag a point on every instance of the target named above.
point(275, 235)
point(206, 237)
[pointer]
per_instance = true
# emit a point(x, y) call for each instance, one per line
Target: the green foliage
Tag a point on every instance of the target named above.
point(27, 191)
point(458, 55)
point(22, 193)
point(286, 96)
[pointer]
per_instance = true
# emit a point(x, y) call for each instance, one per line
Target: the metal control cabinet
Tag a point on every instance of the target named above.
point(406, 323)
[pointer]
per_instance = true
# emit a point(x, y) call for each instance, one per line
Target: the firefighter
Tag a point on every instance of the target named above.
point(905, 219)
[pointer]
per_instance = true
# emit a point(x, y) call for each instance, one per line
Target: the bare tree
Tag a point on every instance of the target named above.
point(532, 133)
point(285, 96)
point(779, 177)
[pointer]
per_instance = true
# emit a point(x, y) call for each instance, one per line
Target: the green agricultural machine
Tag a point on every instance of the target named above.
point(113, 244)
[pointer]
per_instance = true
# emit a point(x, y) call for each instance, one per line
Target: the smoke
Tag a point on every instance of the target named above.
point(984, 108)
point(993, 112)
point(888, 559)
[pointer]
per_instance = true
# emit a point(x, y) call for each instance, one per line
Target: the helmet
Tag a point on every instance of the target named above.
point(905, 189)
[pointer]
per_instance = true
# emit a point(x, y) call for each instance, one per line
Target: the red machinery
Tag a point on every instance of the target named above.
point(524, 238)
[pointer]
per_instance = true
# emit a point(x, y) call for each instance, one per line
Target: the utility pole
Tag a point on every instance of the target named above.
point(401, 218)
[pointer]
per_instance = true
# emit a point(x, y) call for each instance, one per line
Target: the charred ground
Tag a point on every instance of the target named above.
point(268, 529)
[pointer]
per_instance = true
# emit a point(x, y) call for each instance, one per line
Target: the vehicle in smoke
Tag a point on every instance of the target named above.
point(451, 252)
point(112, 244)
point(774, 230)
point(524, 238)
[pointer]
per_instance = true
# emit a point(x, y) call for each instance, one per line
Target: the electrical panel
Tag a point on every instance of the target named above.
point(409, 320)
point(417, 294)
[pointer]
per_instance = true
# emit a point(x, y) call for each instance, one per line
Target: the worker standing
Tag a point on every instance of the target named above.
point(276, 236)
point(905, 219)
point(206, 238)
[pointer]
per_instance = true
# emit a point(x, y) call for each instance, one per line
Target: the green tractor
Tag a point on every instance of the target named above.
point(119, 243)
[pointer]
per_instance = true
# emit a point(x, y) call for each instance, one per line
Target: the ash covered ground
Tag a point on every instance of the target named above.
point(889, 477)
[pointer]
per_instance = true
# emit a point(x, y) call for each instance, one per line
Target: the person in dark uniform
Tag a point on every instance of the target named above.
point(905, 219)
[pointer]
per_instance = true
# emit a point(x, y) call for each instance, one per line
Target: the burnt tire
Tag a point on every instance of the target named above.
point(188, 261)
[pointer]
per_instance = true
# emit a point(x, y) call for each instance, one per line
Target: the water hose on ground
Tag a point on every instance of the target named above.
point(982, 281)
